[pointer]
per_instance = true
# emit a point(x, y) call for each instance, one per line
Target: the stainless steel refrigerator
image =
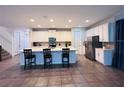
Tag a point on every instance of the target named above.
point(90, 45)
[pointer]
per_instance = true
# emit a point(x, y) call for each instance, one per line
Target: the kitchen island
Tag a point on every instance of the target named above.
point(56, 55)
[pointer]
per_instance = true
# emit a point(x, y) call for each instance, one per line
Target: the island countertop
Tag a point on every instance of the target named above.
point(40, 49)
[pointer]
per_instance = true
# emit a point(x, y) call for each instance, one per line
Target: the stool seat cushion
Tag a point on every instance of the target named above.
point(30, 56)
point(48, 56)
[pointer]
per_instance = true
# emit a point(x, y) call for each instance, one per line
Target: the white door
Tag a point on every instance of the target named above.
point(78, 44)
point(24, 39)
point(16, 43)
point(21, 41)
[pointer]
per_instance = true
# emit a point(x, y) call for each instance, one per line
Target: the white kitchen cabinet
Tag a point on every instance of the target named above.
point(52, 33)
point(92, 32)
point(108, 32)
point(105, 32)
point(63, 35)
point(58, 36)
point(96, 31)
point(100, 30)
point(99, 55)
point(89, 33)
point(40, 36)
point(104, 56)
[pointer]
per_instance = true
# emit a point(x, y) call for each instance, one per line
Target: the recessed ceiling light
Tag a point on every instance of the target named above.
point(87, 21)
point(66, 26)
point(38, 25)
point(32, 20)
point(69, 20)
point(51, 20)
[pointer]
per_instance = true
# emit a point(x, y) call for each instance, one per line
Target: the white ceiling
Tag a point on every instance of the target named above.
point(19, 16)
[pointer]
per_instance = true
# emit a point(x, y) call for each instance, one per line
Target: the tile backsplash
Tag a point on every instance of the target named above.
point(108, 45)
point(58, 44)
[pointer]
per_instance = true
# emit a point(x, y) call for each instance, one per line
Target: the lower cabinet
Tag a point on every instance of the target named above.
point(104, 56)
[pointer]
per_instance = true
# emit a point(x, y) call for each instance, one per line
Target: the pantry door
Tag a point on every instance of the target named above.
point(77, 41)
point(16, 42)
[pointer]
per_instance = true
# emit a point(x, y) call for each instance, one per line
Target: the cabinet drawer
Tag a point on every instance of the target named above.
point(101, 57)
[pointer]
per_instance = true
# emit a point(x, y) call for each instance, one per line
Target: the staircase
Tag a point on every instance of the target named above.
point(4, 55)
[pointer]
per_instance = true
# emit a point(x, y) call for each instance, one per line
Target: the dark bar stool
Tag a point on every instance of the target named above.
point(47, 57)
point(29, 58)
point(65, 57)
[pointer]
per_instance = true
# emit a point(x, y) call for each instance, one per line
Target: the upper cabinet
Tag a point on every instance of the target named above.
point(96, 31)
point(63, 36)
point(42, 36)
point(100, 31)
point(108, 32)
point(105, 31)
point(89, 33)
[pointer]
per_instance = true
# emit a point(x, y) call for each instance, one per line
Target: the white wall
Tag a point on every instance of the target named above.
point(6, 39)
point(14, 39)
point(119, 16)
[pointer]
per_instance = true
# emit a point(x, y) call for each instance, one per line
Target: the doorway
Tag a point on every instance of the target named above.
point(20, 41)
point(78, 41)
point(16, 42)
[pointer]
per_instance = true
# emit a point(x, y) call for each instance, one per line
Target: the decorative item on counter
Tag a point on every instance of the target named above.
point(52, 42)
point(69, 44)
point(66, 44)
point(59, 44)
point(103, 43)
point(108, 45)
point(40, 44)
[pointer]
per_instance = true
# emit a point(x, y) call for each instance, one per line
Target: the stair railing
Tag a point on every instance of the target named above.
point(6, 44)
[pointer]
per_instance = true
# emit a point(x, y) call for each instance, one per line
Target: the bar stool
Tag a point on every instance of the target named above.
point(29, 58)
point(65, 57)
point(47, 57)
